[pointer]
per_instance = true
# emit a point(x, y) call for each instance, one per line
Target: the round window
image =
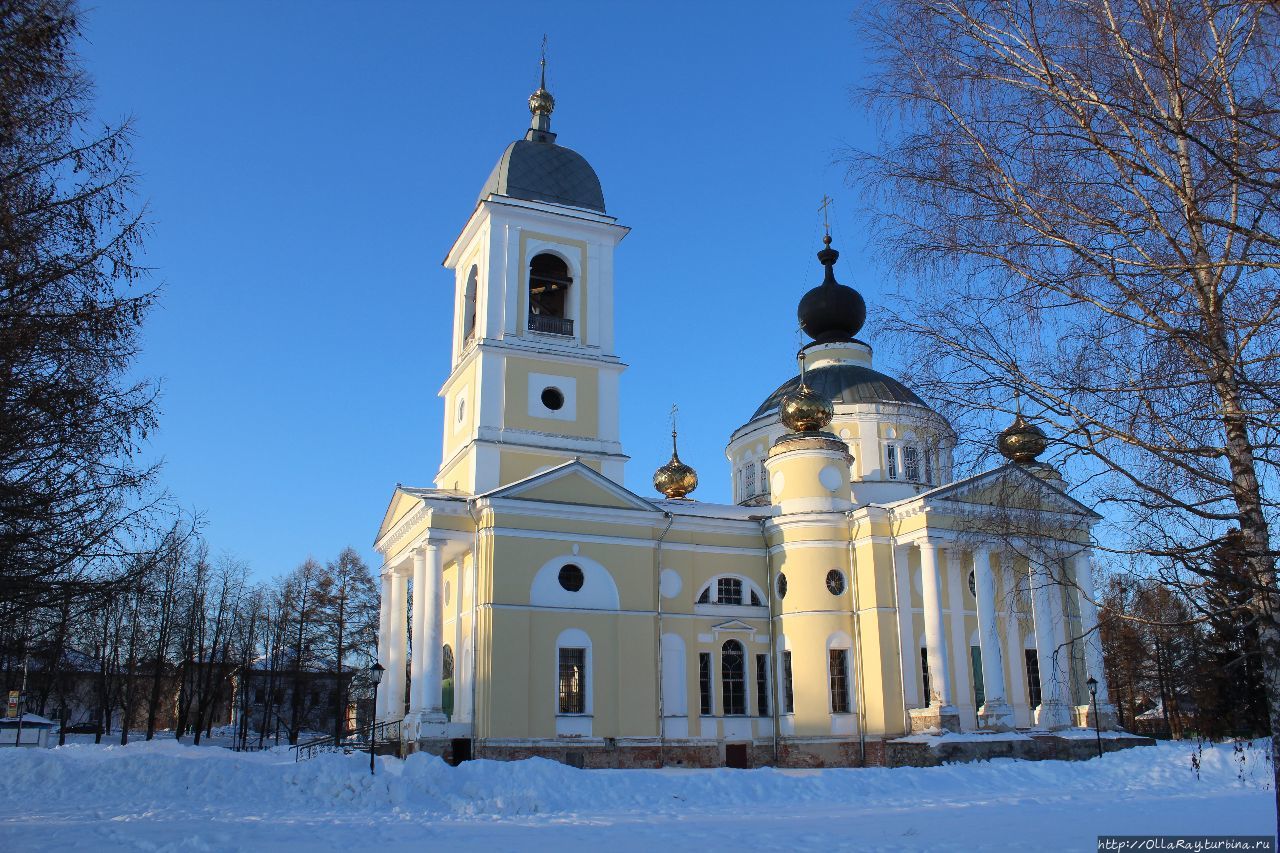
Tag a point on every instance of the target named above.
point(835, 582)
point(570, 577)
point(973, 585)
point(553, 399)
point(782, 585)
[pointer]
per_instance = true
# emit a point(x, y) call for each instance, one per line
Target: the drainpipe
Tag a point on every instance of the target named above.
point(475, 616)
point(657, 592)
point(857, 647)
point(773, 650)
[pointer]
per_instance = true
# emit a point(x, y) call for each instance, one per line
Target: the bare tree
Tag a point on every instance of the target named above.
point(1090, 192)
point(347, 610)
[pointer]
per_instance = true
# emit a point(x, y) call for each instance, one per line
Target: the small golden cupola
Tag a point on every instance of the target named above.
point(803, 410)
point(1022, 441)
point(676, 480)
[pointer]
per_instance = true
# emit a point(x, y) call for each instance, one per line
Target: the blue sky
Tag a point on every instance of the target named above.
point(307, 165)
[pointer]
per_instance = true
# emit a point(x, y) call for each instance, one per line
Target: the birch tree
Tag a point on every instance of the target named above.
point(1088, 192)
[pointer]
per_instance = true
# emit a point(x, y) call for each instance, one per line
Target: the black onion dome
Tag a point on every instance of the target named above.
point(849, 384)
point(831, 312)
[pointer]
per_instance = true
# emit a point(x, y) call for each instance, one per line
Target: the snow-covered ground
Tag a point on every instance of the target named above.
point(166, 796)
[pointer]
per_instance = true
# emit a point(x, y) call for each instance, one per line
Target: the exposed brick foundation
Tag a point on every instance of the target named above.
point(609, 754)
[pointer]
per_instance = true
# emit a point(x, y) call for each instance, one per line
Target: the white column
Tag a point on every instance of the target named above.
point(1046, 603)
point(417, 695)
point(906, 626)
point(934, 638)
point(432, 631)
point(1092, 637)
point(996, 713)
point(397, 646)
point(961, 657)
point(384, 626)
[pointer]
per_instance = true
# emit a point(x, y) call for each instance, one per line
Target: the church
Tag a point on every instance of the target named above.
point(852, 602)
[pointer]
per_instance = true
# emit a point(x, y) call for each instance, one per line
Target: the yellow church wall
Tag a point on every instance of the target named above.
point(807, 636)
point(800, 469)
point(586, 423)
point(522, 698)
point(881, 675)
point(513, 518)
point(461, 386)
point(517, 559)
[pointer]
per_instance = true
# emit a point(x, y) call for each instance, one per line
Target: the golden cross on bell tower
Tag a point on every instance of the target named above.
point(674, 410)
point(824, 207)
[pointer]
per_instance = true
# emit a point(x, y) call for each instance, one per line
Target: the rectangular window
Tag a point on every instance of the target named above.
point(924, 677)
point(891, 461)
point(839, 663)
point(704, 682)
point(1033, 678)
point(928, 467)
point(911, 463)
point(728, 591)
point(573, 676)
point(733, 679)
point(979, 693)
point(750, 471)
point(764, 481)
point(762, 685)
point(788, 695)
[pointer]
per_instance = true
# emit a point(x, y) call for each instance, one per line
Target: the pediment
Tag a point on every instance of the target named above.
point(573, 483)
point(402, 503)
point(1009, 487)
point(733, 625)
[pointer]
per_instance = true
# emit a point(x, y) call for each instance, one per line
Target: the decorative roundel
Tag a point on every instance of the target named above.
point(973, 585)
point(553, 399)
point(835, 582)
point(570, 577)
point(832, 478)
point(782, 585)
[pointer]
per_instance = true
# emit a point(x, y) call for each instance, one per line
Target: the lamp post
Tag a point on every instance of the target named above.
point(375, 675)
point(1093, 697)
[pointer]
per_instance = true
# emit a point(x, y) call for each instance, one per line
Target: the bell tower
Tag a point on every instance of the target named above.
point(534, 379)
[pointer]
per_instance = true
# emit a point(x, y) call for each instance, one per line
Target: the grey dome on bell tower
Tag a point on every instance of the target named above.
point(537, 169)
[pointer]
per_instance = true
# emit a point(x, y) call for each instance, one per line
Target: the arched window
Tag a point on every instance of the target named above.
point(733, 675)
point(549, 283)
point(469, 306)
point(446, 683)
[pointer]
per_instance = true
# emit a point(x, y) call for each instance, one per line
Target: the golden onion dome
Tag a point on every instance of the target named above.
point(805, 411)
point(675, 479)
point(541, 102)
point(1022, 441)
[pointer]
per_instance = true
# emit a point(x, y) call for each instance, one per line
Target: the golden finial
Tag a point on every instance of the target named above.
point(826, 222)
point(675, 479)
point(803, 410)
point(540, 102)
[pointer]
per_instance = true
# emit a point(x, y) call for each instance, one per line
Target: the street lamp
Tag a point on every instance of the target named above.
point(375, 675)
point(1093, 695)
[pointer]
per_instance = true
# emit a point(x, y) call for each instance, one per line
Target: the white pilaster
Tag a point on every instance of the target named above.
point(995, 713)
point(1046, 601)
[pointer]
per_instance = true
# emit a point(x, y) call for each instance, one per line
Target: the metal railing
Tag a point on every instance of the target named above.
point(386, 731)
point(548, 325)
